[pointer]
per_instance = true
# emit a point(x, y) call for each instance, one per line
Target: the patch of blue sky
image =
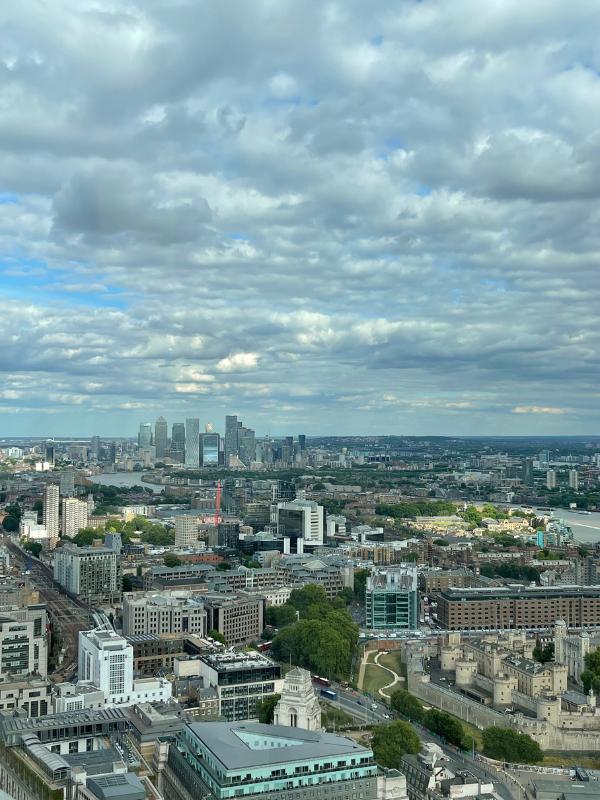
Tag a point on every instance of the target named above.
point(377, 40)
point(8, 197)
point(237, 236)
point(500, 284)
point(423, 191)
point(31, 280)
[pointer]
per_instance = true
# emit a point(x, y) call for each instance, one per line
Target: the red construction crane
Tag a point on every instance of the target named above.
point(218, 504)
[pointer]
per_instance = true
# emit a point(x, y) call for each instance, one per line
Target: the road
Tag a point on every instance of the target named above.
point(65, 614)
point(371, 712)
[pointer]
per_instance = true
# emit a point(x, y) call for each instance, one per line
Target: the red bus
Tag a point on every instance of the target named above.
point(321, 681)
point(264, 646)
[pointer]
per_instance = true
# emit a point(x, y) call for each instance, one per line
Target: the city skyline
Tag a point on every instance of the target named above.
point(335, 218)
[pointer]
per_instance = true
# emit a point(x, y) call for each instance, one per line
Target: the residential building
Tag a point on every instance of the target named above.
point(298, 706)
point(186, 530)
point(242, 681)
point(165, 613)
point(106, 663)
point(160, 437)
point(74, 516)
point(23, 642)
point(573, 479)
point(246, 445)
point(551, 479)
point(391, 599)
point(300, 522)
point(92, 573)
point(222, 760)
point(518, 607)
point(192, 442)
point(431, 775)
point(50, 512)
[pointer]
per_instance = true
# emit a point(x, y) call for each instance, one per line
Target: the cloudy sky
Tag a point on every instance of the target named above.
point(328, 217)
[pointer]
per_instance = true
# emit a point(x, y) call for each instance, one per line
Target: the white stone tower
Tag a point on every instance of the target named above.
point(298, 706)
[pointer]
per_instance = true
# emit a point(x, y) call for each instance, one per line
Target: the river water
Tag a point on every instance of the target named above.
point(127, 479)
point(585, 527)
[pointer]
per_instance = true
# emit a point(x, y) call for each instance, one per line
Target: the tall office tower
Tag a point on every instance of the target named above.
point(145, 434)
point(178, 439)
point(302, 522)
point(287, 450)
point(231, 437)
point(192, 442)
point(67, 483)
point(111, 452)
point(160, 437)
point(573, 479)
point(95, 447)
point(209, 449)
point(551, 479)
point(74, 516)
point(50, 512)
point(186, 530)
point(527, 472)
point(49, 452)
point(246, 445)
point(391, 599)
point(544, 457)
point(302, 442)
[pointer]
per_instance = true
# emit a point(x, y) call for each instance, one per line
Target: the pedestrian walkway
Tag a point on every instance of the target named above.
point(397, 678)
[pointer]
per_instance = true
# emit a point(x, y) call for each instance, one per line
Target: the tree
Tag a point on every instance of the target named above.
point(309, 595)
point(127, 583)
point(360, 582)
point(390, 742)
point(266, 708)
point(472, 516)
point(542, 653)
point(346, 596)
point(407, 705)
point(218, 637)
point(445, 725)
point(35, 548)
point(441, 542)
point(280, 616)
point(590, 677)
point(171, 560)
point(505, 744)
point(223, 566)
point(10, 524)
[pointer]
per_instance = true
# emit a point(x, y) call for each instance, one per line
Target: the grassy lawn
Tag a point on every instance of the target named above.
point(375, 679)
point(567, 760)
point(392, 660)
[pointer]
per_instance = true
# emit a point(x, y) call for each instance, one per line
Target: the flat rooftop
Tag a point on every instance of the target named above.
point(239, 745)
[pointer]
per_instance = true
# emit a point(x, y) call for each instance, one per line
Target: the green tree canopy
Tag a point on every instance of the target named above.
point(218, 637)
point(390, 742)
point(590, 677)
point(171, 560)
point(10, 523)
point(35, 548)
point(505, 744)
point(309, 595)
point(446, 726)
point(543, 653)
point(266, 708)
point(280, 616)
point(408, 705)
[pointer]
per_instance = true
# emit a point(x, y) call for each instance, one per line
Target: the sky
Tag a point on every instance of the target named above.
point(329, 217)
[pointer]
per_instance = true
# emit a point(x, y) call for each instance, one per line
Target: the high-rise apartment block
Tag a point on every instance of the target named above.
point(74, 516)
point(50, 512)
point(391, 599)
point(160, 437)
point(573, 479)
point(192, 442)
point(551, 479)
point(92, 573)
point(186, 530)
